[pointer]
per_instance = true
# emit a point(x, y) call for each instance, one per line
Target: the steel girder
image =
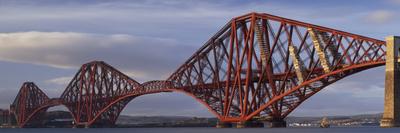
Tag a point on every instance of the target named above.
point(98, 93)
point(95, 96)
point(256, 66)
point(93, 90)
point(260, 65)
point(30, 104)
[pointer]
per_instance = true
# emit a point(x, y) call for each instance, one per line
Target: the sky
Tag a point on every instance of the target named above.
point(46, 41)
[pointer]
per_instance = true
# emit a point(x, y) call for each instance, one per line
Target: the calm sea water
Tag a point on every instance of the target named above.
point(204, 130)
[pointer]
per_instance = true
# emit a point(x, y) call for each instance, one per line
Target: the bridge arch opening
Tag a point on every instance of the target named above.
point(351, 95)
point(59, 116)
point(165, 106)
point(50, 116)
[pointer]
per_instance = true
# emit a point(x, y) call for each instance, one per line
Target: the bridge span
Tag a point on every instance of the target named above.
point(257, 67)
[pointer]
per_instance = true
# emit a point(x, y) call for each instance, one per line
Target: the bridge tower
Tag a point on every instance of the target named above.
point(391, 114)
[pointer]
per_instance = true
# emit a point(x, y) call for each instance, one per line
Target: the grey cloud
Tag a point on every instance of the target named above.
point(190, 21)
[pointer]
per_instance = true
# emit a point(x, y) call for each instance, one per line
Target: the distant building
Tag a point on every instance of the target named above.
point(4, 117)
point(324, 123)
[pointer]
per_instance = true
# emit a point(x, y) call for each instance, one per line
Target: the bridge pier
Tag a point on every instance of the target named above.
point(221, 124)
point(249, 124)
point(277, 123)
point(391, 114)
point(80, 126)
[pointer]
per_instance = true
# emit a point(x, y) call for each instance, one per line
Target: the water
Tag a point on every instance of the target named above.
point(203, 130)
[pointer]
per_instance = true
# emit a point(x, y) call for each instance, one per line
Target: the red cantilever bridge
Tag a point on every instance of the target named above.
point(258, 66)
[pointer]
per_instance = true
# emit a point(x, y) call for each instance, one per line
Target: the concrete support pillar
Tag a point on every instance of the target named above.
point(80, 126)
point(250, 124)
point(391, 114)
point(223, 124)
point(277, 123)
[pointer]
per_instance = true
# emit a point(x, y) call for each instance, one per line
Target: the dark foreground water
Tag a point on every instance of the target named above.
point(204, 130)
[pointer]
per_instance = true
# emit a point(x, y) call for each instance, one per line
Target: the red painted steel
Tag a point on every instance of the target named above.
point(30, 104)
point(98, 93)
point(227, 72)
point(243, 72)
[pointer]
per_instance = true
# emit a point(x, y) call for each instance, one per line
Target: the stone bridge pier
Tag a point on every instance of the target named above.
point(391, 114)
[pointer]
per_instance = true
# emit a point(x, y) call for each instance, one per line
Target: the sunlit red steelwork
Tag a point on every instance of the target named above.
point(258, 66)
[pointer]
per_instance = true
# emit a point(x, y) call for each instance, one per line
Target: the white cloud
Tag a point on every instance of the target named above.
point(380, 16)
point(60, 80)
point(148, 57)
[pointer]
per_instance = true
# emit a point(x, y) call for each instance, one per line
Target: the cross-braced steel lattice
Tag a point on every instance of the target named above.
point(258, 66)
point(99, 92)
point(29, 105)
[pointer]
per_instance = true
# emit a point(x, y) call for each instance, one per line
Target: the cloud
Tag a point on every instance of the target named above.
point(148, 57)
point(380, 16)
point(60, 80)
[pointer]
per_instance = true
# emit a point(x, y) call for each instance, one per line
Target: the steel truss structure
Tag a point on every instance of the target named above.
point(258, 66)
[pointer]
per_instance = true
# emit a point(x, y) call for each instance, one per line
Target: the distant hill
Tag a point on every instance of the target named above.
point(167, 121)
point(64, 119)
point(340, 117)
point(351, 120)
point(164, 121)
